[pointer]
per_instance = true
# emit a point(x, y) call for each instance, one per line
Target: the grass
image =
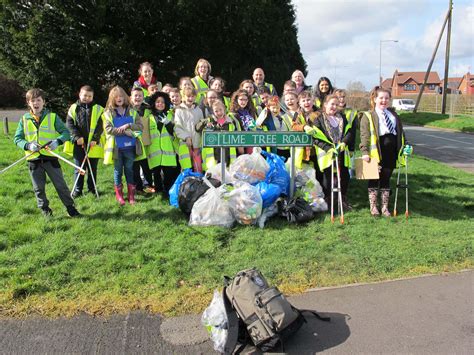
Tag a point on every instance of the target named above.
point(463, 123)
point(114, 259)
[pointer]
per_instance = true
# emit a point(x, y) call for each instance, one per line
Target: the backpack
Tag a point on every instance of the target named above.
point(296, 210)
point(257, 313)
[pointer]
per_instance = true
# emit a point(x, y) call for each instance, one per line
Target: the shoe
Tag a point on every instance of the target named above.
point(119, 194)
point(76, 194)
point(72, 212)
point(149, 190)
point(373, 194)
point(47, 212)
point(131, 193)
point(385, 195)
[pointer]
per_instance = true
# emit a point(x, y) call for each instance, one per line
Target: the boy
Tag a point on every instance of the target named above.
point(84, 123)
point(39, 132)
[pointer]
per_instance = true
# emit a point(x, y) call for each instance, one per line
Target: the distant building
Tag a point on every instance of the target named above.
point(387, 84)
point(453, 84)
point(466, 86)
point(409, 83)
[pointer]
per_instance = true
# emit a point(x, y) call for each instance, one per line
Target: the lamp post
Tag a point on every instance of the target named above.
point(380, 58)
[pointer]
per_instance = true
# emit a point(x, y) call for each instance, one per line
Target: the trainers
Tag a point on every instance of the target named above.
point(72, 211)
point(47, 212)
point(76, 194)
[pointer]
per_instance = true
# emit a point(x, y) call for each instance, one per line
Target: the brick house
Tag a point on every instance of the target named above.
point(409, 83)
point(453, 84)
point(466, 86)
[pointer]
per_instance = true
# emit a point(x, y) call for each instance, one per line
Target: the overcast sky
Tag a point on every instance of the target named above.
point(340, 39)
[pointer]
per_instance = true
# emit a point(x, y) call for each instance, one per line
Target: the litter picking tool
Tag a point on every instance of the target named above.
point(91, 172)
point(21, 159)
point(81, 170)
point(402, 186)
point(335, 162)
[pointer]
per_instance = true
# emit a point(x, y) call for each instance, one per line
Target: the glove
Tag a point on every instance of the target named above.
point(53, 145)
point(407, 150)
point(137, 134)
point(33, 147)
point(340, 147)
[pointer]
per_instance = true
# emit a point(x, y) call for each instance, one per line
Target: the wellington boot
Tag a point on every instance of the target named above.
point(131, 193)
point(385, 196)
point(373, 196)
point(119, 194)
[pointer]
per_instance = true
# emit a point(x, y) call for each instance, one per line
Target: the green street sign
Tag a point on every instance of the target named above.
point(256, 139)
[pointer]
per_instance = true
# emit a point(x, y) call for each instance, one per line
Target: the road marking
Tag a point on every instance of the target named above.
point(448, 139)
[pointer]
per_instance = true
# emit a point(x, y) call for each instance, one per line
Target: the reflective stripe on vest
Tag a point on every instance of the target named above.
point(43, 134)
point(201, 88)
point(161, 150)
point(207, 154)
point(325, 158)
point(184, 157)
point(373, 150)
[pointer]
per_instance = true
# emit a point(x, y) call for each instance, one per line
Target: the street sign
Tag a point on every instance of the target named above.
point(256, 139)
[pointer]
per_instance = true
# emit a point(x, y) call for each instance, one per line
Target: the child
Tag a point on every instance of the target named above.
point(218, 121)
point(84, 122)
point(248, 86)
point(118, 109)
point(186, 116)
point(167, 88)
point(218, 85)
point(243, 113)
point(38, 128)
point(175, 97)
point(264, 94)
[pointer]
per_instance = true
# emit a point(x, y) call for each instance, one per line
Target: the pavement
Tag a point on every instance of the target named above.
point(452, 148)
point(423, 315)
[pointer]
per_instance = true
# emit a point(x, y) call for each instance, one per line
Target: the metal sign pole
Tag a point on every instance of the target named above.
point(292, 171)
point(223, 165)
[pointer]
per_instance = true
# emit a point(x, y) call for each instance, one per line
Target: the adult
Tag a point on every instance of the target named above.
point(382, 138)
point(146, 78)
point(258, 77)
point(202, 73)
point(332, 134)
point(298, 78)
point(323, 89)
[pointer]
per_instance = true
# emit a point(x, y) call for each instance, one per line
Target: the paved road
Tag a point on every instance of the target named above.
point(453, 148)
point(426, 315)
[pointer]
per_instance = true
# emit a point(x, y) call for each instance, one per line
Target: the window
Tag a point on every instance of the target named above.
point(432, 87)
point(409, 87)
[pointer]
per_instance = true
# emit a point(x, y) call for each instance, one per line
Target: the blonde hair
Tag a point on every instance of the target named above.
point(144, 64)
point(218, 103)
point(200, 61)
point(375, 92)
point(188, 92)
point(113, 94)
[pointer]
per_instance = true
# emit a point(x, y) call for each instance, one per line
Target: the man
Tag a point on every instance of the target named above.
point(258, 77)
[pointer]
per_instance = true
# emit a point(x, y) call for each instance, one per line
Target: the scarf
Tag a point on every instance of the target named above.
point(144, 84)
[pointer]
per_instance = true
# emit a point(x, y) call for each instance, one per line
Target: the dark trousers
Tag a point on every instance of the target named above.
point(388, 147)
point(326, 178)
point(38, 170)
point(164, 183)
point(79, 156)
point(136, 173)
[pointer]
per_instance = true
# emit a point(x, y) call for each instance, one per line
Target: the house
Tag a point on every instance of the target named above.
point(453, 84)
point(466, 86)
point(387, 84)
point(409, 83)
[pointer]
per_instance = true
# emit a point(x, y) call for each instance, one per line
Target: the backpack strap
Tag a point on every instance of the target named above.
point(314, 313)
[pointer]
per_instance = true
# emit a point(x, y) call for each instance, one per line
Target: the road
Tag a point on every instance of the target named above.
point(453, 148)
point(424, 315)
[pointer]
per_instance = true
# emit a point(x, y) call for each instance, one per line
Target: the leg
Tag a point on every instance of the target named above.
point(170, 173)
point(385, 175)
point(129, 157)
point(373, 188)
point(78, 160)
point(147, 173)
point(38, 179)
point(55, 173)
point(136, 175)
point(92, 174)
point(345, 177)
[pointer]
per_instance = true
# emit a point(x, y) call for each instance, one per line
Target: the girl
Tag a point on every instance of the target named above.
point(323, 89)
point(271, 120)
point(121, 121)
point(243, 114)
point(250, 88)
point(307, 113)
point(202, 73)
point(161, 155)
point(185, 82)
point(218, 85)
point(206, 105)
point(382, 138)
point(332, 134)
point(146, 78)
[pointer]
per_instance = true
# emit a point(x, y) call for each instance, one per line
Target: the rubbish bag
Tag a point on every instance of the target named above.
point(277, 174)
point(269, 192)
point(214, 318)
point(296, 210)
point(250, 168)
point(191, 189)
point(267, 213)
point(174, 191)
point(216, 171)
point(212, 209)
point(309, 188)
point(245, 203)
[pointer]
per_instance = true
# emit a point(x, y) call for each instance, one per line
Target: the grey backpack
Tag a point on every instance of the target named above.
point(263, 311)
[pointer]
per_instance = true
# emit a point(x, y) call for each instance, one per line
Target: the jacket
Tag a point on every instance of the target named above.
point(185, 120)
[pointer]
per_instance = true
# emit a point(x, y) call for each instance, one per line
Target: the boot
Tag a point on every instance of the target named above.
point(131, 193)
point(345, 204)
point(385, 200)
point(119, 194)
point(373, 194)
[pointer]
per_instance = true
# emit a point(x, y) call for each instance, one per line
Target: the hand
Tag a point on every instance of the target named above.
point(33, 147)
point(93, 144)
point(53, 145)
point(340, 147)
point(407, 150)
point(123, 128)
point(80, 141)
point(189, 142)
point(366, 158)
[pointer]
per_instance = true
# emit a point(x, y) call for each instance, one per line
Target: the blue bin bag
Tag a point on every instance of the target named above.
point(174, 191)
point(277, 174)
point(269, 193)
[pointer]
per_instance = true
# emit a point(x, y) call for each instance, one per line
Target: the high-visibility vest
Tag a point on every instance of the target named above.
point(161, 150)
point(201, 87)
point(270, 87)
point(226, 102)
point(46, 132)
point(96, 151)
point(350, 114)
point(317, 102)
point(208, 157)
point(287, 120)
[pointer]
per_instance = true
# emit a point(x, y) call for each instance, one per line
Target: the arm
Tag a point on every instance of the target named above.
point(179, 128)
point(109, 125)
point(62, 130)
point(72, 127)
point(320, 143)
point(19, 138)
point(99, 129)
point(202, 123)
point(364, 135)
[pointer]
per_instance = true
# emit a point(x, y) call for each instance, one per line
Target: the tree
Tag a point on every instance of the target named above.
point(355, 87)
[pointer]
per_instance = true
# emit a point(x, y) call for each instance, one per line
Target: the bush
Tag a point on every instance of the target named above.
point(12, 93)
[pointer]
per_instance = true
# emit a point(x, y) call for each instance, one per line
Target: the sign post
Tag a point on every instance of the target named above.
point(290, 139)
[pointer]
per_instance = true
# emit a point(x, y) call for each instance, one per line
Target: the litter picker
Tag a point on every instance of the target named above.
point(81, 170)
point(335, 163)
point(402, 186)
point(86, 158)
point(21, 159)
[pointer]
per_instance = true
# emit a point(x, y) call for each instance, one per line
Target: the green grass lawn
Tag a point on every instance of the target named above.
point(463, 123)
point(146, 256)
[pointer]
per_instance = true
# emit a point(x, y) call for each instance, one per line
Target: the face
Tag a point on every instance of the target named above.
point(203, 69)
point(137, 97)
point(175, 98)
point(324, 86)
point(189, 100)
point(249, 88)
point(217, 85)
point(291, 102)
point(341, 97)
point(36, 105)
point(152, 90)
point(186, 84)
point(160, 104)
point(382, 101)
point(298, 78)
point(264, 97)
point(211, 97)
point(287, 88)
point(219, 111)
point(166, 89)
point(146, 72)
point(242, 100)
point(275, 109)
point(258, 76)
point(119, 100)
point(86, 97)
point(306, 103)
point(331, 107)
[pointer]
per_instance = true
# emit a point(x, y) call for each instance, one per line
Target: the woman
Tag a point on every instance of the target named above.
point(332, 134)
point(201, 80)
point(382, 138)
point(298, 78)
point(323, 89)
point(146, 78)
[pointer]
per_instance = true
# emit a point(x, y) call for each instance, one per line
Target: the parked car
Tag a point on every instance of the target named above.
point(403, 104)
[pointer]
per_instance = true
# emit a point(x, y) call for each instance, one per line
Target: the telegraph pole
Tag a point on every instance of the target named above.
point(446, 60)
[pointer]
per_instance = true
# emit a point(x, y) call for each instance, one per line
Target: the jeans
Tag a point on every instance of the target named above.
point(124, 163)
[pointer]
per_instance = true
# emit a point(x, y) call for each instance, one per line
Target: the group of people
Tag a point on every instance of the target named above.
point(155, 132)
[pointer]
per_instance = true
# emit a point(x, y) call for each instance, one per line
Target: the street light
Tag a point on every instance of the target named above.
point(380, 58)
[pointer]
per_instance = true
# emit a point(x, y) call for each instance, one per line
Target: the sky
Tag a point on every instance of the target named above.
point(340, 39)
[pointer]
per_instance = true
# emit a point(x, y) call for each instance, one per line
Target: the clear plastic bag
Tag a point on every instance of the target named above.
point(216, 173)
point(211, 209)
point(267, 213)
point(250, 168)
point(309, 188)
point(245, 203)
point(214, 318)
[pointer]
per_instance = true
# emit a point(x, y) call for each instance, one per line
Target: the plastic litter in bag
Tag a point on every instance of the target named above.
point(191, 188)
point(214, 318)
point(277, 174)
point(267, 213)
point(309, 188)
point(245, 203)
point(174, 191)
point(250, 168)
point(216, 173)
point(269, 193)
